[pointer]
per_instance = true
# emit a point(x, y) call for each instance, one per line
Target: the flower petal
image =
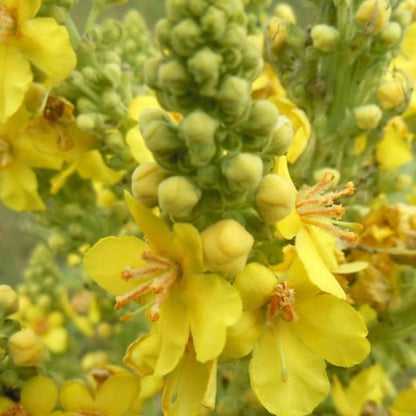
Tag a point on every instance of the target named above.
point(15, 79)
point(159, 237)
point(306, 384)
point(186, 387)
point(317, 270)
point(125, 387)
point(47, 45)
point(74, 396)
point(326, 322)
point(39, 396)
point(107, 258)
point(19, 188)
point(213, 305)
point(138, 149)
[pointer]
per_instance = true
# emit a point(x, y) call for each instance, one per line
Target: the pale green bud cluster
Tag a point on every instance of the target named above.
point(351, 88)
point(213, 158)
point(109, 74)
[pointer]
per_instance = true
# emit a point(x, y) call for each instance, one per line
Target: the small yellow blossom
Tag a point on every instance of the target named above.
point(186, 301)
point(26, 348)
point(300, 328)
point(368, 386)
point(26, 39)
point(38, 398)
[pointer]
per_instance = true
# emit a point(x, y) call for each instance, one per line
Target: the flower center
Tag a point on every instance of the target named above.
point(157, 276)
point(5, 155)
point(316, 207)
point(14, 410)
point(281, 303)
point(7, 23)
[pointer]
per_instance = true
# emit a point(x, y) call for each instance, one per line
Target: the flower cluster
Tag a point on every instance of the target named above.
point(224, 216)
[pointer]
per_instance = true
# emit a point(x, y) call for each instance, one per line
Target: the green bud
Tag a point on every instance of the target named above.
point(151, 114)
point(198, 130)
point(185, 37)
point(84, 105)
point(234, 98)
point(178, 196)
point(208, 176)
point(173, 78)
point(160, 137)
point(198, 7)
point(177, 9)
point(391, 34)
point(367, 116)
point(91, 75)
point(324, 37)
point(163, 30)
point(275, 198)
point(234, 9)
point(9, 300)
point(86, 122)
point(205, 69)
point(282, 137)
point(110, 31)
point(214, 23)
point(113, 71)
point(251, 59)
point(111, 101)
point(111, 57)
point(151, 71)
point(243, 171)
point(262, 119)
point(403, 17)
point(226, 246)
point(234, 36)
point(144, 183)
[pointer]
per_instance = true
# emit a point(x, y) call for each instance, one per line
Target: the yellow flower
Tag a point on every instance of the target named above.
point(24, 40)
point(300, 328)
point(21, 149)
point(395, 148)
point(186, 301)
point(113, 393)
point(38, 398)
point(404, 403)
point(368, 386)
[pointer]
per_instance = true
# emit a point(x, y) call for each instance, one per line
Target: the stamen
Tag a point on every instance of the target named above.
point(7, 23)
point(318, 209)
point(281, 302)
point(14, 410)
point(158, 276)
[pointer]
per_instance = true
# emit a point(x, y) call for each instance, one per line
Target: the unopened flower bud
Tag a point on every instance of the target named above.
point(144, 183)
point(403, 182)
point(285, 12)
point(324, 37)
point(112, 71)
point(277, 34)
point(234, 97)
point(26, 348)
point(391, 94)
point(391, 34)
point(368, 116)
point(243, 171)
point(178, 196)
point(373, 15)
point(9, 300)
point(275, 198)
point(173, 78)
point(403, 17)
point(255, 284)
point(86, 122)
point(262, 119)
point(151, 71)
point(214, 23)
point(282, 137)
point(198, 130)
point(205, 69)
point(160, 137)
point(185, 37)
point(163, 30)
point(226, 245)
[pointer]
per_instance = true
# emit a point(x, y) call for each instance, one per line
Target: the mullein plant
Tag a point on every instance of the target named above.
point(189, 195)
